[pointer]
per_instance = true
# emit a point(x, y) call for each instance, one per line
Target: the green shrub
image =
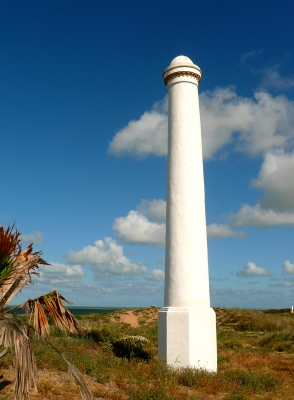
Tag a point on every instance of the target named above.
point(132, 346)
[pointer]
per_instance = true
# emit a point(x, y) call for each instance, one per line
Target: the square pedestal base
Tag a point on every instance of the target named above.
point(187, 337)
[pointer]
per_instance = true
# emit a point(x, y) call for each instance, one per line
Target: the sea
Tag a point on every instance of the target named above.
point(83, 310)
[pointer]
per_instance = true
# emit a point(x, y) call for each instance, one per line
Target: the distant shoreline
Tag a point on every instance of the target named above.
point(75, 310)
point(84, 310)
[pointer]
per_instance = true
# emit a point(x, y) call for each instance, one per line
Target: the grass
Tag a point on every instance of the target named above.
point(255, 360)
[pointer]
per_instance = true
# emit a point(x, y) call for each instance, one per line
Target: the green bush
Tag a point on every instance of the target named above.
point(132, 346)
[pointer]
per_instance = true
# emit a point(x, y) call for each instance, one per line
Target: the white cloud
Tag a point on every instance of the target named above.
point(256, 216)
point(288, 267)
point(265, 298)
point(36, 238)
point(154, 209)
point(157, 275)
point(106, 258)
point(136, 228)
point(145, 289)
point(147, 135)
point(260, 123)
point(276, 206)
point(286, 283)
point(273, 79)
point(276, 178)
point(219, 279)
point(252, 270)
point(219, 231)
point(57, 274)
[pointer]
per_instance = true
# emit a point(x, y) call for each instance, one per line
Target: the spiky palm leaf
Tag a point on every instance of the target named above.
point(16, 267)
point(9, 249)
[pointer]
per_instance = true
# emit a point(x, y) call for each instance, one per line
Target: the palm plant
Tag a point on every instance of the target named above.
point(16, 268)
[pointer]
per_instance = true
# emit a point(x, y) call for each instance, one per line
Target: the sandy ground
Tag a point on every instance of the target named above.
point(130, 318)
point(135, 317)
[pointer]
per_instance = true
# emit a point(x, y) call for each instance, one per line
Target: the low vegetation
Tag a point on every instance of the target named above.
point(16, 334)
point(118, 360)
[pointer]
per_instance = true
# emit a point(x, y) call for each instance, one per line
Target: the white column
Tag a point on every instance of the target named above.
point(187, 327)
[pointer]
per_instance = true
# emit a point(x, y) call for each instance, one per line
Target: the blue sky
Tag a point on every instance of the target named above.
point(83, 144)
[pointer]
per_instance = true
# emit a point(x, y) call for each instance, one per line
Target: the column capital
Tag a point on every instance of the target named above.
point(181, 66)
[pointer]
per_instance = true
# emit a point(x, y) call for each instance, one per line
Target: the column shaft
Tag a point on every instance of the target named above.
point(186, 242)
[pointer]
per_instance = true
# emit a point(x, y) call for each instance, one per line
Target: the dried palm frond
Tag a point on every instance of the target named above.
point(9, 327)
point(51, 305)
point(14, 331)
point(3, 353)
point(77, 378)
point(14, 289)
point(41, 324)
point(25, 365)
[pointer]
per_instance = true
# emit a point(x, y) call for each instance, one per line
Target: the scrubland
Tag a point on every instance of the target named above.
point(119, 360)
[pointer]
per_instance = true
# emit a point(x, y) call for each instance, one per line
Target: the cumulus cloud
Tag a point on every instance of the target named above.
point(276, 206)
point(219, 231)
point(251, 125)
point(147, 135)
point(157, 275)
point(106, 258)
point(276, 179)
point(262, 123)
point(36, 238)
point(288, 267)
point(251, 269)
point(57, 274)
point(136, 228)
point(257, 216)
point(154, 209)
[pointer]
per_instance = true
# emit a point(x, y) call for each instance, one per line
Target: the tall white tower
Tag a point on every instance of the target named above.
point(187, 324)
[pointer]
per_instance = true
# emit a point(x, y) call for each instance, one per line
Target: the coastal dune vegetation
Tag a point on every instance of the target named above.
point(114, 355)
point(117, 356)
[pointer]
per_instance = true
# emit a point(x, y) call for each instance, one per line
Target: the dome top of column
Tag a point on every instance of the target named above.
point(180, 65)
point(183, 60)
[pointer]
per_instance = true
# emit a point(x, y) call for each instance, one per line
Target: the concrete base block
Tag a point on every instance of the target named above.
point(187, 337)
